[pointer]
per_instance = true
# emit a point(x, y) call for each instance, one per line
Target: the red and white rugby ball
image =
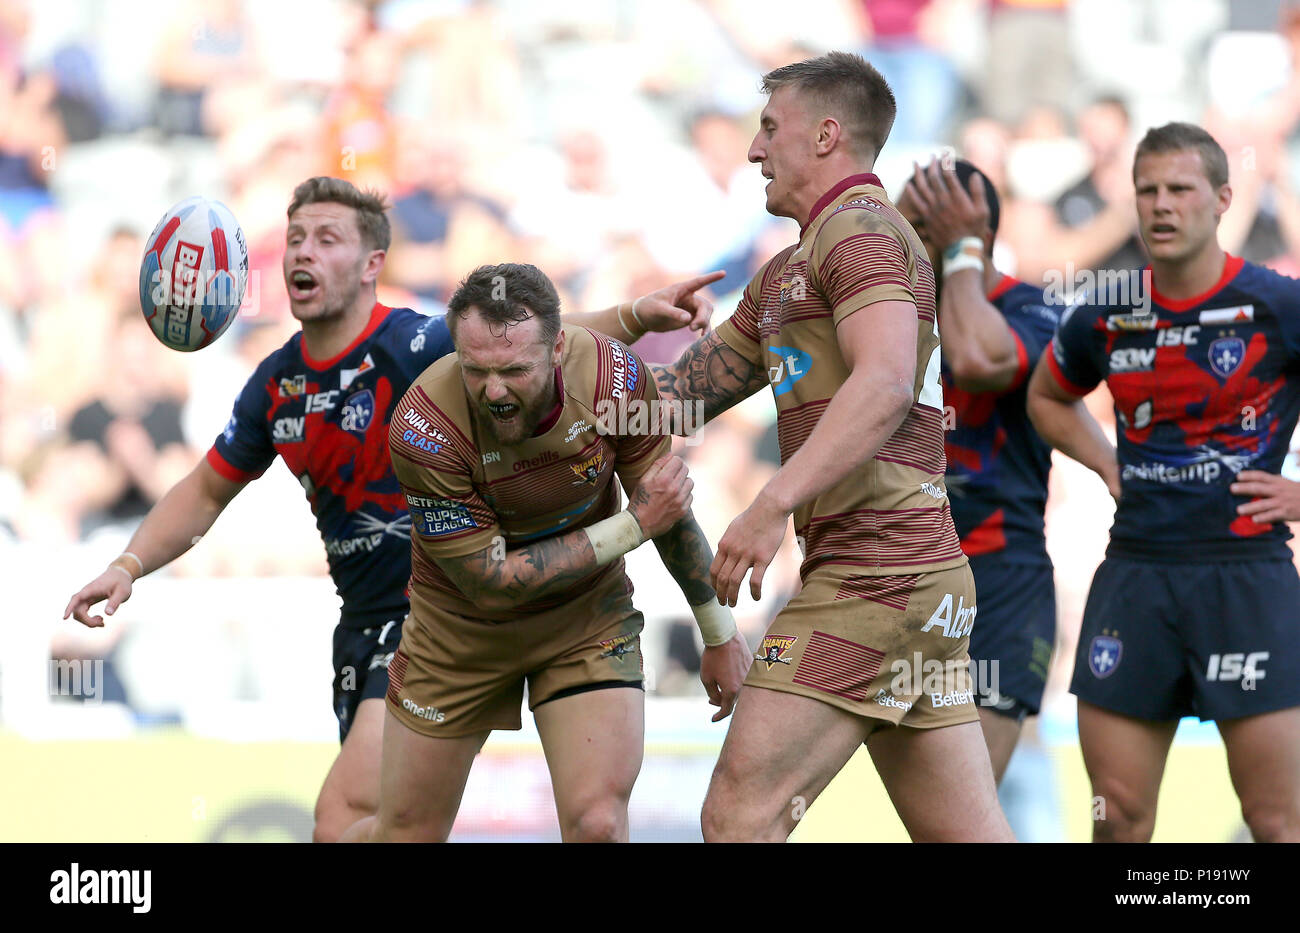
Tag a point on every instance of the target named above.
point(193, 274)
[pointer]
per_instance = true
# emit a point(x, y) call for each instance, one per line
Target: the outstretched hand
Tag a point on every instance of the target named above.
point(678, 305)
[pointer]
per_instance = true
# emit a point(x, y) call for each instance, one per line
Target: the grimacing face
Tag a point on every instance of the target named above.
point(508, 373)
point(324, 261)
point(1178, 209)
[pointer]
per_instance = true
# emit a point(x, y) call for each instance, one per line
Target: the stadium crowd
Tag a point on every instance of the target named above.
point(603, 141)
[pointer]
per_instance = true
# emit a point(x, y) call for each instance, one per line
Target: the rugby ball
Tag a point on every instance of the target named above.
point(193, 274)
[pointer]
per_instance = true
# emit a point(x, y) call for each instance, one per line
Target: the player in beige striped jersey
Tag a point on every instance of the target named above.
point(510, 455)
point(874, 647)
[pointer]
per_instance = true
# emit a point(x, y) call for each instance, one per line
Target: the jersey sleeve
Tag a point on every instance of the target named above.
point(1032, 325)
point(859, 258)
point(1073, 355)
point(742, 331)
point(449, 517)
point(243, 451)
point(1288, 317)
point(430, 341)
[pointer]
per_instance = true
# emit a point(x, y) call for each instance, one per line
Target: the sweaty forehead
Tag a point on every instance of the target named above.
point(490, 345)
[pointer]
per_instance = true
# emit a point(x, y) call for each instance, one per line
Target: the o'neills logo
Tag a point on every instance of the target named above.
point(431, 713)
point(541, 459)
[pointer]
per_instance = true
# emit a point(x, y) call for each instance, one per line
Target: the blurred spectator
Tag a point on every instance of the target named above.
point(205, 44)
point(133, 425)
point(924, 82)
point(1029, 57)
point(1104, 128)
point(360, 136)
point(432, 177)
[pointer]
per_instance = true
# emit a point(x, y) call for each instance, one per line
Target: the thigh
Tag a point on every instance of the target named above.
point(421, 782)
point(1001, 733)
point(353, 780)
point(1125, 759)
point(940, 782)
point(1264, 761)
point(780, 753)
point(594, 743)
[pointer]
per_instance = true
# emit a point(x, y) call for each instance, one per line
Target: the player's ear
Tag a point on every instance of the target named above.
point(1224, 201)
point(557, 351)
point(374, 265)
point(829, 132)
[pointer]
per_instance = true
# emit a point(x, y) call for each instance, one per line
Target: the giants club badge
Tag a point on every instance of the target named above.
point(590, 469)
point(617, 648)
point(773, 648)
point(1226, 355)
point(1104, 655)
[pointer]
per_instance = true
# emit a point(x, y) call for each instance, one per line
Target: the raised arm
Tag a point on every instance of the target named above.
point(977, 343)
point(182, 516)
point(669, 308)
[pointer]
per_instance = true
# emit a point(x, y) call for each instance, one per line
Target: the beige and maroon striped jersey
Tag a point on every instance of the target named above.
point(466, 492)
point(889, 516)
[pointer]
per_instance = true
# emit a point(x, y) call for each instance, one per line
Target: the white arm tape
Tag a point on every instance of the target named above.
point(717, 625)
point(613, 537)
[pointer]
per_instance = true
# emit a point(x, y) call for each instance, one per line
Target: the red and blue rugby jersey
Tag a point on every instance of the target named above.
point(1204, 388)
point(997, 464)
point(329, 419)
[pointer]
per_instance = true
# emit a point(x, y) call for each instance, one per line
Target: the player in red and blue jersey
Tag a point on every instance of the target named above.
point(992, 329)
point(1194, 610)
point(323, 402)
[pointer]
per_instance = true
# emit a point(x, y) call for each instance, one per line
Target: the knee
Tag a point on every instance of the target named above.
point(730, 814)
point(603, 820)
point(335, 812)
point(1271, 822)
point(1121, 814)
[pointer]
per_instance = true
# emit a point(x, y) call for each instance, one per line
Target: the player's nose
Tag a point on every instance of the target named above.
point(756, 151)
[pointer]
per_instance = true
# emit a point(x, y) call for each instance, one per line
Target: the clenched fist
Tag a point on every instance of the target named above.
point(663, 498)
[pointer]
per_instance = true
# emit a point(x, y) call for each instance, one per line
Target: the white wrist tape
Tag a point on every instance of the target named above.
point(613, 537)
point(966, 253)
point(717, 625)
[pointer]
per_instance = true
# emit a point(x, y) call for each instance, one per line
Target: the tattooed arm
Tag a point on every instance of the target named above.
point(687, 555)
point(495, 578)
point(711, 372)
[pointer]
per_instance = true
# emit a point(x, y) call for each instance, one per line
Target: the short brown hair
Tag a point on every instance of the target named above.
point(849, 89)
point(368, 205)
point(1173, 137)
point(508, 293)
